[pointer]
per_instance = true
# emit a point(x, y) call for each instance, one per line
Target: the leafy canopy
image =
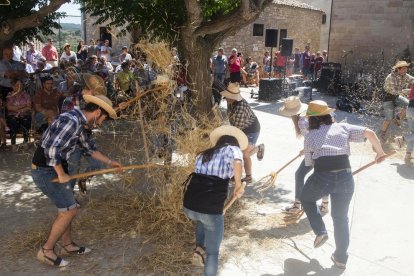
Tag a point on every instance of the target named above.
point(160, 18)
point(22, 8)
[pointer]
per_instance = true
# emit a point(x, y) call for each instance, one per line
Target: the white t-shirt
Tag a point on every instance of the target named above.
point(68, 57)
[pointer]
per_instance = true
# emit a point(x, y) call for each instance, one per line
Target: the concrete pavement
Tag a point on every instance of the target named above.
point(381, 223)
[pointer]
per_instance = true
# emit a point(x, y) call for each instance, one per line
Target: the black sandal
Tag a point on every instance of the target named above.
point(82, 250)
point(59, 262)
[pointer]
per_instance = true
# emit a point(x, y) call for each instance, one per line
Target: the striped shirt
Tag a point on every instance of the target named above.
point(221, 164)
point(60, 139)
point(303, 125)
point(331, 140)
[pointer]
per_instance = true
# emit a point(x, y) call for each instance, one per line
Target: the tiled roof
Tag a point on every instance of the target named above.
point(296, 4)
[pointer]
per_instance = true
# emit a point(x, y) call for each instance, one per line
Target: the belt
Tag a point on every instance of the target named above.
point(341, 170)
point(35, 167)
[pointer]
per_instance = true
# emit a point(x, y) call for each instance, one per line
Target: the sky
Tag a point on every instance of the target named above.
point(71, 9)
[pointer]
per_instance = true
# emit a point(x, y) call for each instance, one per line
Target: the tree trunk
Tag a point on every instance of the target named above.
point(197, 52)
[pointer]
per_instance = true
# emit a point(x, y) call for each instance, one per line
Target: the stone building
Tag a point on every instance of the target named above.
point(293, 19)
point(370, 29)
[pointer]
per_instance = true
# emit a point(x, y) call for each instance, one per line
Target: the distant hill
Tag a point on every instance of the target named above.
point(70, 26)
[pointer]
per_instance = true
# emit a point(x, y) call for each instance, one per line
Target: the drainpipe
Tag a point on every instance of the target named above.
point(330, 26)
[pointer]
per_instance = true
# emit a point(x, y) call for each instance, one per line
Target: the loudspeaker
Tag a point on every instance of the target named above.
point(271, 38)
point(330, 78)
point(286, 47)
point(270, 89)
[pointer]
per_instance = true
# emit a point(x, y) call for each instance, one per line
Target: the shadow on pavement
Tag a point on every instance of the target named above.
point(406, 171)
point(295, 267)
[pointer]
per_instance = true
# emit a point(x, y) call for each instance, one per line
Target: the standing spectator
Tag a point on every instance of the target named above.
point(312, 65)
point(124, 79)
point(219, 66)
point(206, 192)
point(235, 65)
point(325, 55)
point(266, 63)
point(50, 53)
point(17, 53)
point(306, 63)
point(410, 136)
point(18, 112)
point(9, 69)
point(68, 54)
point(82, 51)
point(125, 56)
point(318, 64)
point(45, 104)
point(106, 51)
point(280, 64)
point(327, 148)
point(395, 96)
point(297, 64)
point(93, 49)
point(242, 116)
point(32, 56)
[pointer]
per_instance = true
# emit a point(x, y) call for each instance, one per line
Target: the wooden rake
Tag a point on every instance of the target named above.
point(269, 180)
point(111, 170)
point(233, 199)
point(294, 218)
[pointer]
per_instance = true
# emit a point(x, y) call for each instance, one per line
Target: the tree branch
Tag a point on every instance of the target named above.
point(33, 20)
point(248, 11)
point(194, 15)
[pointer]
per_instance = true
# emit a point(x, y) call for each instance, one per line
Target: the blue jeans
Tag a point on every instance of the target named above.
point(300, 175)
point(61, 194)
point(74, 163)
point(340, 185)
point(219, 77)
point(209, 234)
point(252, 137)
point(410, 137)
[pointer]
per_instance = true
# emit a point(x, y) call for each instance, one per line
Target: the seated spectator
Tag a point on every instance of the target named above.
point(124, 56)
point(67, 53)
point(250, 72)
point(45, 103)
point(124, 79)
point(69, 91)
point(280, 64)
point(107, 64)
point(28, 68)
point(18, 112)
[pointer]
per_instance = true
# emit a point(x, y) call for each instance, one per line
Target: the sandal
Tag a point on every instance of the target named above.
point(248, 179)
point(324, 207)
point(399, 140)
point(59, 262)
point(260, 152)
point(199, 256)
point(82, 250)
point(294, 209)
point(320, 240)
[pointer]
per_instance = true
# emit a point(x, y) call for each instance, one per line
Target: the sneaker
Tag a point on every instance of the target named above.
point(324, 207)
point(260, 152)
point(294, 209)
point(320, 240)
point(337, 264)
point(248, 179)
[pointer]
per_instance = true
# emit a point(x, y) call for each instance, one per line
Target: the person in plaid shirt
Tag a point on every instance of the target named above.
point(327, 149)
point(242, 116)
point(395, 85)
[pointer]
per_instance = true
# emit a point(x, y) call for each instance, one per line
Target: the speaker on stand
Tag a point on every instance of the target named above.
point(271, 41)
point(286, 46)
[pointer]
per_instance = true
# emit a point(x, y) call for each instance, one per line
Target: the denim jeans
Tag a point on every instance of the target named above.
point(60, 194)
point(410, 137)
point(340, 185)
point(209, 234)
point(300, 175)
point(75, 160)
point(388, 107)
point(219, 77)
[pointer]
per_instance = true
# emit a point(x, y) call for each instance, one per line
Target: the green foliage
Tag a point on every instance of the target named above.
point(156, 18)
point(23, 8)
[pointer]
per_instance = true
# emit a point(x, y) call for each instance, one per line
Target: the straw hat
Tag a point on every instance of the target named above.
point(230, 131)
point(292, 106)
point(95, 83)
point(66, 45)
point(232, 92)
point(401, 63)
point(318, 108)
point(103, 102)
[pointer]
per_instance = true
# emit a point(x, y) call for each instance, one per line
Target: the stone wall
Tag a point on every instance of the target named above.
point(92, 32)
point(372, 29)
point(302, 25)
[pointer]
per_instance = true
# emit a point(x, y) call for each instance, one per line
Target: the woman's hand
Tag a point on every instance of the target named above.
point(238, 191)
point(380, 157)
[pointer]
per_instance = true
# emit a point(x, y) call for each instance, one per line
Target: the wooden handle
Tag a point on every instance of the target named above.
point(372, 163)
point(138, 97)
point(232, 200)
point(111, 170)
point(288, 163)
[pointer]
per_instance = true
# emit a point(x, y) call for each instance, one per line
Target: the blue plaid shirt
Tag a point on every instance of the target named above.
point(60, 139)
point(331, 140)
point(221, 164)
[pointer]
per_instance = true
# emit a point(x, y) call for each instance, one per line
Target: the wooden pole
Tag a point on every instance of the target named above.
point(232, 200)
point(141, 122)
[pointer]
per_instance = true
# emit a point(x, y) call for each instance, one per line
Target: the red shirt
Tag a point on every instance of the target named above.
point(236, 65)
point(50, 53)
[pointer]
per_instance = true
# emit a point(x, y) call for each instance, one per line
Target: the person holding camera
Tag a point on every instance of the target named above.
point(235, 65)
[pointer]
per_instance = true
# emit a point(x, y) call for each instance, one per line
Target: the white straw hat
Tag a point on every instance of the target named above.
point(102, 102)
point(292, 106)
point(232, 92)
point(230, 131)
